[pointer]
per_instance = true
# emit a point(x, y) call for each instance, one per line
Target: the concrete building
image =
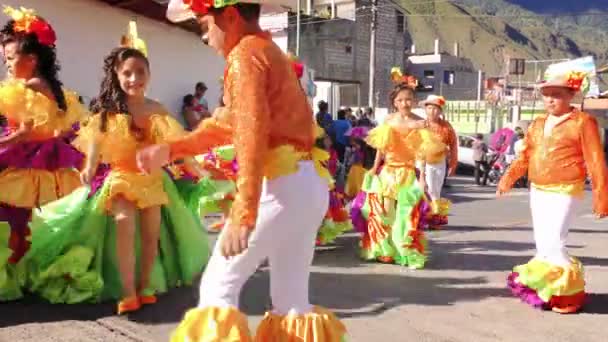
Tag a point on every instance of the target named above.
point(452, 76)
point(335, 41)
point(88, 30)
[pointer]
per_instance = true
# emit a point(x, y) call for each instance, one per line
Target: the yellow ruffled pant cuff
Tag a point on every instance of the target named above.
point(321, 325)
point(213, 324)
point(441, 207)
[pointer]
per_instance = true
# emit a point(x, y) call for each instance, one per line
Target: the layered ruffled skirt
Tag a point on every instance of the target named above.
point(73, 259)
point(32, 174)
point(337, 220)
point(397, 238)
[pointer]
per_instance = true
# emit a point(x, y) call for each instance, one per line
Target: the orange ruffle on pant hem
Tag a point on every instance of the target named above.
point(321, 325)
point(213, 324)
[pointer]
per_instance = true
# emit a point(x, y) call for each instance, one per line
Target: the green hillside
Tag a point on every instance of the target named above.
point(491, 31)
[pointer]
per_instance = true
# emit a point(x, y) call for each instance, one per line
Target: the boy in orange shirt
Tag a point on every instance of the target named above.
point(559, 150)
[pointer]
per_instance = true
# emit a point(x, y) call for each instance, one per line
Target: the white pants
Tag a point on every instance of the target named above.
point(552, 215)
point(435, 175)
point(291, 210)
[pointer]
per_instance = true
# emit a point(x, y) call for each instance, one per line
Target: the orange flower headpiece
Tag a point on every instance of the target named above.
point(399, 78)
point(574, 80)
point(27, 21)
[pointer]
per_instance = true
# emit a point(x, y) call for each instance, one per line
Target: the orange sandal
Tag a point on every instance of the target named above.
point(147, 300)
point(566, 309)
point(128, 305)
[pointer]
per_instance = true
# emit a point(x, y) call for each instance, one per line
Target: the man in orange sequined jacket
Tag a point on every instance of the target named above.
point(280, 199)
point(560, 149)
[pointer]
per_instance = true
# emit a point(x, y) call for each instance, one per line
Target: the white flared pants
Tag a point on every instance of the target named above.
point(291, 210)
point(435, 175)
point(552, 215)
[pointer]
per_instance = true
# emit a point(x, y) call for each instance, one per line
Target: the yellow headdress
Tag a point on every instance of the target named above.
point(399, 78)
point(132, 40)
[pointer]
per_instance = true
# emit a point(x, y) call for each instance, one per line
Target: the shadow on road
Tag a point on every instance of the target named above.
point(597, 304)
point(31, 310)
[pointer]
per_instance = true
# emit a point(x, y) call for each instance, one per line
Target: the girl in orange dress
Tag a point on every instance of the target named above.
point(392, 212)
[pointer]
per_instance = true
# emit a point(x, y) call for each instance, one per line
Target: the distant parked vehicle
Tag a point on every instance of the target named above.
point(465, 150)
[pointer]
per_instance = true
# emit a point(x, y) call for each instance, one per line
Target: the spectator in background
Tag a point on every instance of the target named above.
point(324, 119)
point(339, 129)
point(199, 93)
point(480, 151)
point(192, 116)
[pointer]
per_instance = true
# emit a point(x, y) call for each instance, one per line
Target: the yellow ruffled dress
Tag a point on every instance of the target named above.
point(118, 148)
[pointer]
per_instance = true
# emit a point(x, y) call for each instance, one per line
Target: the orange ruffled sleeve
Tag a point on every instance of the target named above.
point(596, 165)
point(246, 83)
point(519, 167)
point(210, 133)
point(452, 142)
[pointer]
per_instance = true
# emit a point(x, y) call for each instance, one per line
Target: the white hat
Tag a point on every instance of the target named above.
point(182, 10)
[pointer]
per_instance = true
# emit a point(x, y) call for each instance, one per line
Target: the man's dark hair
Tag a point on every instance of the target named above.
point(249, 12)
point(341, 114)
point(479, 136)
point(200, 85)
point(323, 106)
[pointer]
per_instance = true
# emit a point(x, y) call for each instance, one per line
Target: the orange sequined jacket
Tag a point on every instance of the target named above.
point(267, 109)
point(563, 159)
point(447, 135)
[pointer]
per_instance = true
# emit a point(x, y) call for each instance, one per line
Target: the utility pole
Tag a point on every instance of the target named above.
point(372, 54)
point(298, 16)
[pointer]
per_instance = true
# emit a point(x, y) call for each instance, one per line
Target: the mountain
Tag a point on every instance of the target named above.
point(562, 6)
point(491, 31)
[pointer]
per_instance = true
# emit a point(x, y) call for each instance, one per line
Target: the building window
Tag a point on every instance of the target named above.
point(429, 74)
point(400, 21)
point(449, 77)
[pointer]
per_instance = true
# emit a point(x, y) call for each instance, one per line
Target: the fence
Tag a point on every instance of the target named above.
point(482, 117)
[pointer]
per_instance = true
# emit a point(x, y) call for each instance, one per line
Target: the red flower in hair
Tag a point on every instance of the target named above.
point(299, 69)
point(199, 6)
point(45, 33)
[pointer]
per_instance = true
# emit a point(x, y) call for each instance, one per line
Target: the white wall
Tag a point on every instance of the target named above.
point(88, 30)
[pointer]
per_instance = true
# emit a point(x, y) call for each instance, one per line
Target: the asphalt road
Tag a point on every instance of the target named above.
point(460, 296)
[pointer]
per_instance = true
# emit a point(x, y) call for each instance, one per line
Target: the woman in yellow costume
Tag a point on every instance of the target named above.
point(37, 164)
point(128, 235)
point(392, 210)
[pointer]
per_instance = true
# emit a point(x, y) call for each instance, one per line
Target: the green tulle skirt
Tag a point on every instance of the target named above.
point(73, 258)
point(206, 196)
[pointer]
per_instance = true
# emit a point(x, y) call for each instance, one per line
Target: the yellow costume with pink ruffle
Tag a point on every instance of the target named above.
point(33, 187)
point(41, 166)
